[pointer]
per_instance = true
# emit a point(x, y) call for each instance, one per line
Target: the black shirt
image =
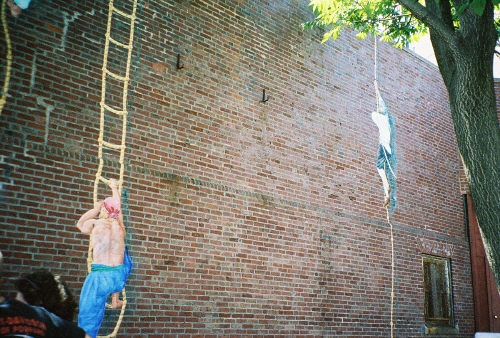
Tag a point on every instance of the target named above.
point(18, 319)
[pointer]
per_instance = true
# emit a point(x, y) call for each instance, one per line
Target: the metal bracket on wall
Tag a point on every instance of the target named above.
point(264, 98)
point(179, 65)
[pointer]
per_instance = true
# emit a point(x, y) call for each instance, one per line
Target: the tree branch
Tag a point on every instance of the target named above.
point(431, 20)
point(371, 21)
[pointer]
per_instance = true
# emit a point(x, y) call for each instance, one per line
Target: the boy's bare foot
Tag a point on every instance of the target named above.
point(15, 10)
point(387, 200)
point(116, 303)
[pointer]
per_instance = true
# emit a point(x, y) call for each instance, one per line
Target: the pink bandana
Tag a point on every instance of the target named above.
point(112, 206)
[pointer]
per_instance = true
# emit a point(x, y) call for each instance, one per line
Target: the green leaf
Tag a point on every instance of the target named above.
point(495, 2)
point(332, 34)
point(478, 6)
point(369, 10)
point(462, 8)
point(362, 35)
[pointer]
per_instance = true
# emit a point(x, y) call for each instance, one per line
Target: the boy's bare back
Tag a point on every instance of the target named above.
point(108, 242)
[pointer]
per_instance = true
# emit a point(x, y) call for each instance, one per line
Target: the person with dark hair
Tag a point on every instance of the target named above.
point(57, 297)
point(20, 319)
point(111, 261)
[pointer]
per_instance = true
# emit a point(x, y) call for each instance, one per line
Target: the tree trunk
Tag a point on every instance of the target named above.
point(465, 60)
point(473, 109)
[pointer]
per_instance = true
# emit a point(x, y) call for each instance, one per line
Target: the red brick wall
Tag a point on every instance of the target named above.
point(244, 218)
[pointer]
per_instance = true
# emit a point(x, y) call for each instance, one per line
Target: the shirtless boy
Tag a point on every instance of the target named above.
point(111, 261)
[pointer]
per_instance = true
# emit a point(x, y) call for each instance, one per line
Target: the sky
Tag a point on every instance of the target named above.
point(424, 48)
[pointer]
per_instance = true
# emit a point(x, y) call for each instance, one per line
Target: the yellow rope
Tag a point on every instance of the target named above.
point(122, 113)
point(8, 57)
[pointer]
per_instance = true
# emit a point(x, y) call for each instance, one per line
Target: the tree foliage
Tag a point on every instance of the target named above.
point(389, 19)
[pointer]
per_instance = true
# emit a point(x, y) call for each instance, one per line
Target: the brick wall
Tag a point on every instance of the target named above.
point(244, 218)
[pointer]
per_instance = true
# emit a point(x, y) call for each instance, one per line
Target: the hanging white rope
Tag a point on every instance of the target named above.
point(375, 72)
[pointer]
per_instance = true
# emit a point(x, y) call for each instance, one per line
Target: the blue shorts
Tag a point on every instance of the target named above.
point(383, 158)
point(23, 4)
point(102, 281)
